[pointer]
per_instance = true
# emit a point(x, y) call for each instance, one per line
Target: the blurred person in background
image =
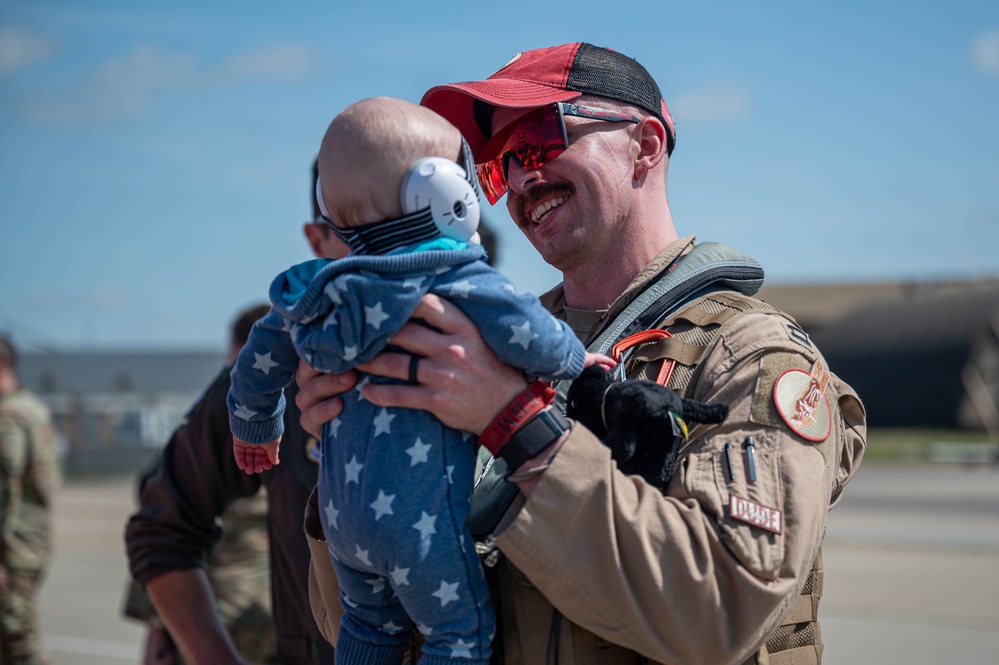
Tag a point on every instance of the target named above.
point(236, 566)
point(29, 478)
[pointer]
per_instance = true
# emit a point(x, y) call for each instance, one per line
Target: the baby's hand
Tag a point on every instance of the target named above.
point(254, 458)
point(606, 362)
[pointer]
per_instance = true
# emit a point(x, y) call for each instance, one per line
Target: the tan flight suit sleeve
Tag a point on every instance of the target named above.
point(674, 577)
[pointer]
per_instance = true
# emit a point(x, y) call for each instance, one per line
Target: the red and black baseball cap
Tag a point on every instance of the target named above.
point(543, 76)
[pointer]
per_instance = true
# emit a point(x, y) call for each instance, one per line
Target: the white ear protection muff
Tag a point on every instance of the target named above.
point(442, 185)
point(323, 210)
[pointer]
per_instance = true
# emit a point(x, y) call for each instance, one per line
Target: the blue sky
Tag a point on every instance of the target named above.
point(155, 157)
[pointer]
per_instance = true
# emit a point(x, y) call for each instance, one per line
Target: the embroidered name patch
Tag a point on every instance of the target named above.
point(755, 514)
point(801, 401)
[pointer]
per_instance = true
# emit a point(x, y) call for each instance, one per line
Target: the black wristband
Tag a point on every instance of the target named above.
point(534, 436)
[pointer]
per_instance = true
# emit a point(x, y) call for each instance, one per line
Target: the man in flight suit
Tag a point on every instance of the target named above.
point(722, 564)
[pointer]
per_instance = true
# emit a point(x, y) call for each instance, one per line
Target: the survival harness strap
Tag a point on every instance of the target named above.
point(707, 289)
point(709, 267)
point(798, 640)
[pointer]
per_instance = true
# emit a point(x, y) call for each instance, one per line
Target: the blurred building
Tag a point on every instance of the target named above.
point(919, 355)
point(113, 410)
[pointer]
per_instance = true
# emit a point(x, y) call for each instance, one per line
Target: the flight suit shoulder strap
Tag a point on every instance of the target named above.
point(691, 331)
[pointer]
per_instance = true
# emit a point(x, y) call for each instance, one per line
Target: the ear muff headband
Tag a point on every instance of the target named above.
point(323, 210)
point(438, 197)
point(447, 190)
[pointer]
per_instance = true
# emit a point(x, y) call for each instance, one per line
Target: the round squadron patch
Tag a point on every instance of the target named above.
point(801, 402)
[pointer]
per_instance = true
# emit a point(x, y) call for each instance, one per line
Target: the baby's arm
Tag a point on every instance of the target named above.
point(265, 365)
point(519, 330)
point(255, 457)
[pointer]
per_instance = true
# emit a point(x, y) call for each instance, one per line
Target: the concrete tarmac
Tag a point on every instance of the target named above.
point(911, 560)
point(912, 567)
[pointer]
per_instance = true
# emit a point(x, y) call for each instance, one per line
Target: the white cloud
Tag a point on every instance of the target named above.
point(19, 50)
point(712, 103)
point(985, 52)
point(46, 299)
point(276, 61)
point(118, 88)
point(128, 85)
point(110, 299)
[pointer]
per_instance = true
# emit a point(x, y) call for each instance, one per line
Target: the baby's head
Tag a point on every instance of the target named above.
point(367, 150)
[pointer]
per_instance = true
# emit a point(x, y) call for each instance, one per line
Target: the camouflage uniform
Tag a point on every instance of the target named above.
point(237, 570)
point(190, 496)
point(29, 477)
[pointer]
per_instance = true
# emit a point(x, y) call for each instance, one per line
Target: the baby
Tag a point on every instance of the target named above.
point(394, 484)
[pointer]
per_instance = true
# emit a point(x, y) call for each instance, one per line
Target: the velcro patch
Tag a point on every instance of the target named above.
point(801, 401)
point(755, 514)
point(772, 365)
point(799, 335)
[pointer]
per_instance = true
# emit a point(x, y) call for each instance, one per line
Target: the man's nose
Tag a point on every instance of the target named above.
point(521, 179)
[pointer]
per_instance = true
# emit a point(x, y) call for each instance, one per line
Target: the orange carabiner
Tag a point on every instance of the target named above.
point(665, 372)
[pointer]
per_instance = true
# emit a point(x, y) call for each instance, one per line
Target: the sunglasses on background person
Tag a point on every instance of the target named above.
point(535, 139)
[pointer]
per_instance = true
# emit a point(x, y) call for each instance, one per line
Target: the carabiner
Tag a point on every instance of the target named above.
point(637, 339)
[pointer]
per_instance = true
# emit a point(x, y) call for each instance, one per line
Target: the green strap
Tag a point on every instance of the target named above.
point(710, 266)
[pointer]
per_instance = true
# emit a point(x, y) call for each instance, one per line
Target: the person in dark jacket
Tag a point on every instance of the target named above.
point(169, 537)
point(237, 566)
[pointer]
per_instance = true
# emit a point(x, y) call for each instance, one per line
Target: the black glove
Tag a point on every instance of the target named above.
point(642, 422)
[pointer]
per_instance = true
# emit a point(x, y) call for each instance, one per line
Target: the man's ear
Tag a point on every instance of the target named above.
point(651, 137)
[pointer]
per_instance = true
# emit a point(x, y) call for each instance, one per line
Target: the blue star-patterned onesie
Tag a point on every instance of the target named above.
point(394, 484)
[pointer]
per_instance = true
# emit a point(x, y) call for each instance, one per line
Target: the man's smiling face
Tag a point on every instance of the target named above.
point(570, 207)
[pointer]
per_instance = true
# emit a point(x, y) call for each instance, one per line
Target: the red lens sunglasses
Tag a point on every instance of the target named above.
point(534, 140)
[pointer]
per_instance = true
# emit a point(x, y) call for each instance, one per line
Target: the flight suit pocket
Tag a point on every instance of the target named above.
point(739, 487)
